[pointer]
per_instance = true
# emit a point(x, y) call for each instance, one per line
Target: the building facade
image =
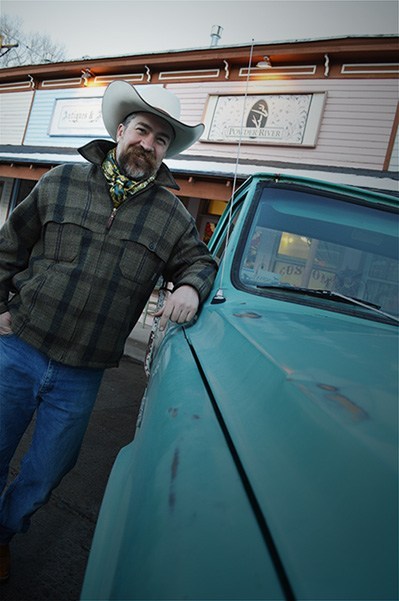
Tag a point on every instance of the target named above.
point(324, 108)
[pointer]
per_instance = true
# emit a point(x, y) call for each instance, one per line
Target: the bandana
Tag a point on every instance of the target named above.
point(120, 186)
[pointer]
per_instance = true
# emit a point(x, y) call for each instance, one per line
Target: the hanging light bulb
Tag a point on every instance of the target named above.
point(86, 75)
point(265, 63)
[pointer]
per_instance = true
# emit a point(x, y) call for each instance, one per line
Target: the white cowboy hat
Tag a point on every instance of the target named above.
point(121, 99)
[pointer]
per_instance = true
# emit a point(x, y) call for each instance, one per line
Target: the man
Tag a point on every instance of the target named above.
point(79, 258)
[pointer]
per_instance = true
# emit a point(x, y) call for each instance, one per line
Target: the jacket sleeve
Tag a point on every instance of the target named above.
point(17, 237)
point(191, 263)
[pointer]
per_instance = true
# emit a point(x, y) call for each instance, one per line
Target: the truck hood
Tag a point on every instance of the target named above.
point(313, 418)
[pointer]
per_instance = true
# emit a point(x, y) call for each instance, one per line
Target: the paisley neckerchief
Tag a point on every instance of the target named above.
point(120, 186)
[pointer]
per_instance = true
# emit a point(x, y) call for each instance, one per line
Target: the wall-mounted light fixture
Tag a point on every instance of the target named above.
point(86, 75)
point(266, 63)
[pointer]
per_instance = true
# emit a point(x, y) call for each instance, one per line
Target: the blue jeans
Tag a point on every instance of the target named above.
point(63, 399)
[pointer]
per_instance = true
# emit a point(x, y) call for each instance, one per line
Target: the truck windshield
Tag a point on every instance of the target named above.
point(309, 241)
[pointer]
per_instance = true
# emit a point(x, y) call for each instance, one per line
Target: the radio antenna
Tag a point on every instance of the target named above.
point(219, 296)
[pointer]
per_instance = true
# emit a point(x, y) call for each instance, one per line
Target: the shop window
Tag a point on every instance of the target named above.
point(25, 187)
point(208, 232)
point(216, 207)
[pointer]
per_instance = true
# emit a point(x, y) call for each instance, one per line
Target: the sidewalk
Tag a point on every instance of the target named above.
point(136, 344)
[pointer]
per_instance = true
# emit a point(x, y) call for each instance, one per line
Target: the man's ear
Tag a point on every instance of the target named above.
point(119, 131)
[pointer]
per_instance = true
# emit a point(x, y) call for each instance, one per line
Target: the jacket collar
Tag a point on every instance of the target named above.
point(96, 151)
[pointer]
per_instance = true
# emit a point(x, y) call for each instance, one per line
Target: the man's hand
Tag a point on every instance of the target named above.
point(180, 307)
point(5, 324)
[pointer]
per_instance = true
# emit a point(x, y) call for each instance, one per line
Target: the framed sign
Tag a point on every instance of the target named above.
point(77, 117)
point(282, 119)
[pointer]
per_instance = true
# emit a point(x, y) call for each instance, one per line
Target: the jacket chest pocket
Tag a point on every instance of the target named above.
point(140, 263)
point(63, 241)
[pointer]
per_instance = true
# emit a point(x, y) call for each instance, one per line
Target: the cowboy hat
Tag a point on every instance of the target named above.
point(121, 99)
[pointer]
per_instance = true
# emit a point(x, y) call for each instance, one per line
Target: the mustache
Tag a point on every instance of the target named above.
point(137, 152)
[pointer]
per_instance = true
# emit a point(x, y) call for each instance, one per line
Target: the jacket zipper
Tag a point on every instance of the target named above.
point(115, 209)
point(111, 218)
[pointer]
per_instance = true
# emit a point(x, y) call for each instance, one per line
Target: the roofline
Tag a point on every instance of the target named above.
point(241, 45)
point(235, 53)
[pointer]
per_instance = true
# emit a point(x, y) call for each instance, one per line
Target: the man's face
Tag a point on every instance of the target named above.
point(142, 145)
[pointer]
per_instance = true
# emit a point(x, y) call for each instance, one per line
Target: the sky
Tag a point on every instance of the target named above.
point(95, 28)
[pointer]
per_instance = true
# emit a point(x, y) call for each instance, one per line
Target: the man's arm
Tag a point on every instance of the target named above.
point(17, 237)
point(192, 270)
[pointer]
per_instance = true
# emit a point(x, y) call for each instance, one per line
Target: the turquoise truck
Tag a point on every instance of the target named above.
point(264, 463)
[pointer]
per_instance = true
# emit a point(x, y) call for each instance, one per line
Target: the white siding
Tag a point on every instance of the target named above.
point(14, 112)
point(355, 127)
point(37, 133)
point(354, 131)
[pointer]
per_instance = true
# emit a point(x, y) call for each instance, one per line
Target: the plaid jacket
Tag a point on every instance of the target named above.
point(79, 279)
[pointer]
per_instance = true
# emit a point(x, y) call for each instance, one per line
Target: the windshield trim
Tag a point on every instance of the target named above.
point(366, 311)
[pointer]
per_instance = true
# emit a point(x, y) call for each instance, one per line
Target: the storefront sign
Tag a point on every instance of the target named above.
point(77, 117)
point(291, 119)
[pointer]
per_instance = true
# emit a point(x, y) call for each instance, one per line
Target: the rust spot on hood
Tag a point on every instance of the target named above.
point(345, 403)
point(175, 464)
point(173, 475)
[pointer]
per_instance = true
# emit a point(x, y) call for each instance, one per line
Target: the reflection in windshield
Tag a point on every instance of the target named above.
point(304, 240)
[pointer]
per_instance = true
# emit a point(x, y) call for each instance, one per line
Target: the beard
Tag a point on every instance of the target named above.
point(137, 163)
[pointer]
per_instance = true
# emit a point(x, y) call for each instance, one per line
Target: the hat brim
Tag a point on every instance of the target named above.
point(121, 99)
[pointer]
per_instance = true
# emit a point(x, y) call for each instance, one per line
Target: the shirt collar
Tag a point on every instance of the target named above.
point(96, 151)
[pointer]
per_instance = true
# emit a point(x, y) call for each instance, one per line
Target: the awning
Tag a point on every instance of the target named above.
point(192, 165)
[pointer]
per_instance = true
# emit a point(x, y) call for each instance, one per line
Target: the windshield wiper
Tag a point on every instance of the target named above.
point(331, 295)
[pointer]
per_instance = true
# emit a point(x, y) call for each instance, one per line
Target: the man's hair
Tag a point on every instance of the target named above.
point(127, 119)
